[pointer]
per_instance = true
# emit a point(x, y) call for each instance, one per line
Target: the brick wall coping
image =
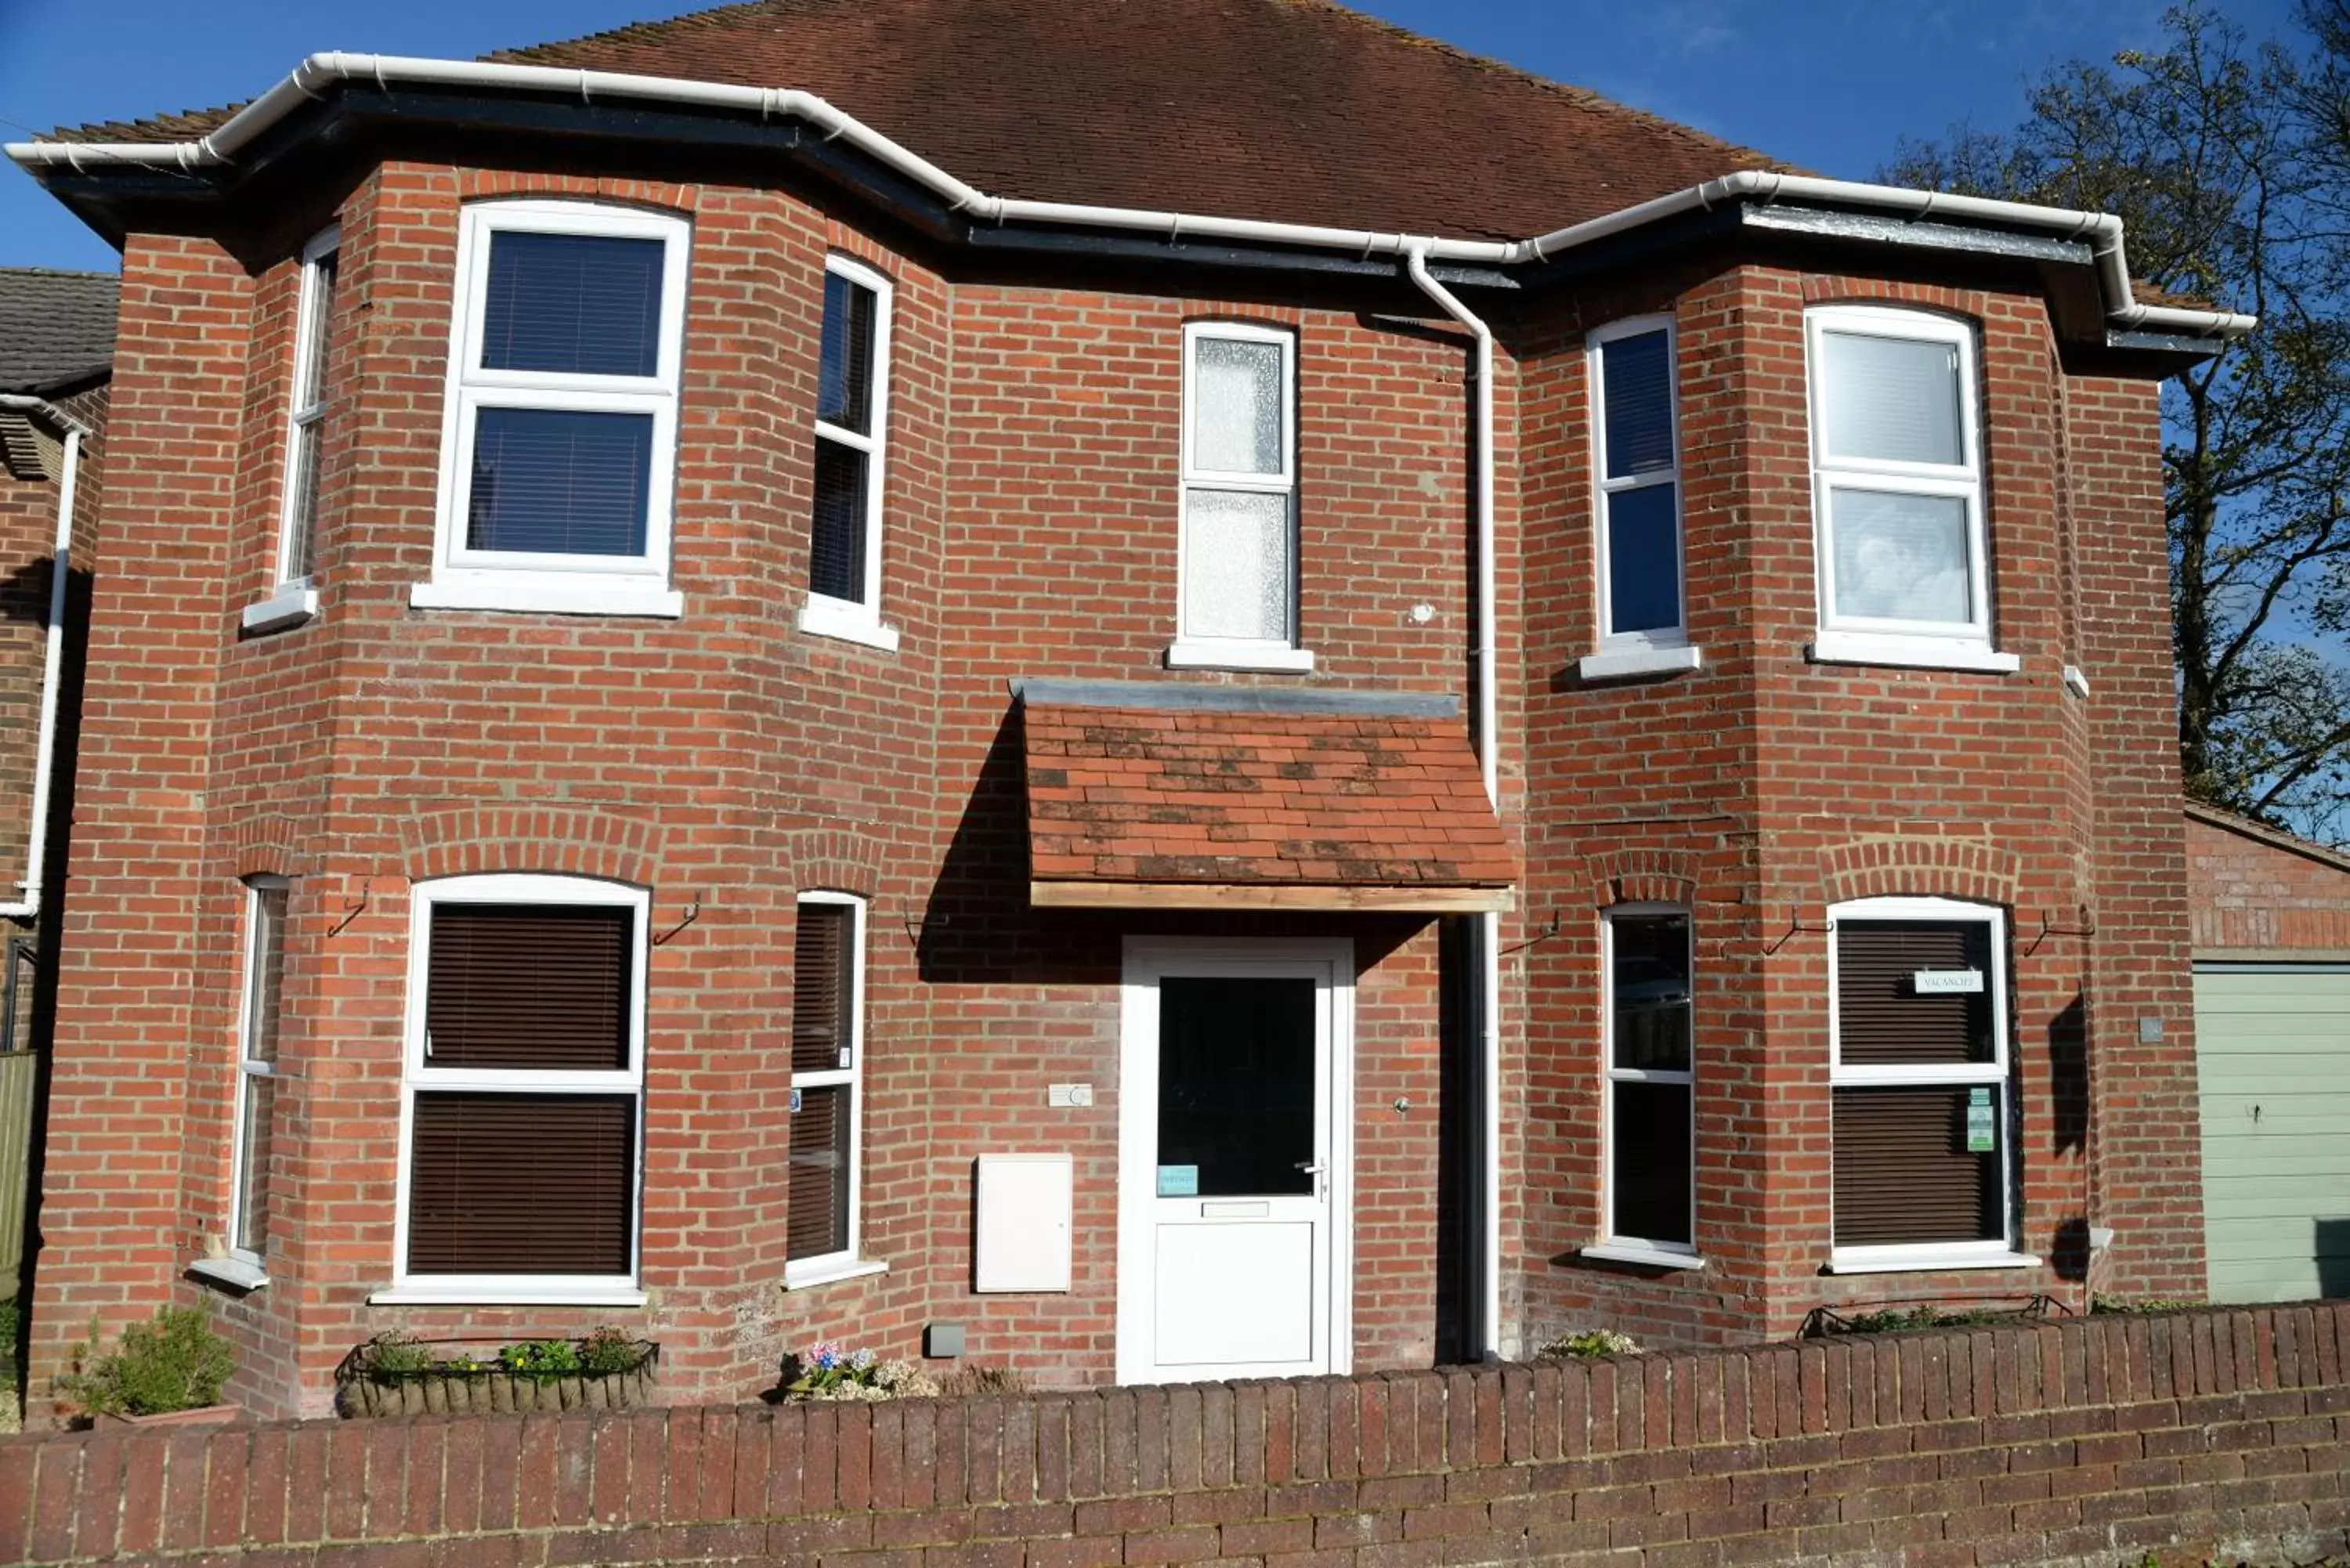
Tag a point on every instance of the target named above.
point(2083, 1441)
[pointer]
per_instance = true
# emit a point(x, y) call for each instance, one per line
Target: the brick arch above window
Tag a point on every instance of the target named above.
point(1973, 304)
point(543, 839)
point(264, 846)
point(1643, 877)
point(1921, 866)
point(504, 185)
point(834, 859)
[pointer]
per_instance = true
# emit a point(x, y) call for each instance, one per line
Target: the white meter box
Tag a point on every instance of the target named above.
point(1023, 1235)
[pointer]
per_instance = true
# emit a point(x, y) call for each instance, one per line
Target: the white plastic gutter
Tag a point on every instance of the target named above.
point(1489, 756)
point(316, 75)
point(45, 764)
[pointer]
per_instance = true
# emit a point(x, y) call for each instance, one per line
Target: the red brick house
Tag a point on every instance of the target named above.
point(853, 670)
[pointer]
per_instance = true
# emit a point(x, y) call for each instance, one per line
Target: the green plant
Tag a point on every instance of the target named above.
point(2105, 1306)
point(12, 1343)
point(608, 1349)
point(1589, 1346)
point(390, 1355)
point(175, 1363)
point(540, 1358)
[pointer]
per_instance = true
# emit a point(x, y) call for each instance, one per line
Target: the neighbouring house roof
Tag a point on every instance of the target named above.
point(2261, 832)
point(57, 328)
point(1298, 110)
point(1235, 798)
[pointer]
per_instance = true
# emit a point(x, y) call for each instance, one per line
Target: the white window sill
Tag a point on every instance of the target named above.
point(1924, 1261)
point(234, 1272)
point(2075, 682)
point(1648, 1257)
point(289, 606)
point(1624, 663)
point(830, 1271)
point(849, 623)
point(550, 594)
point(469, 1295)
point(1266, 658)
point(1909, 652)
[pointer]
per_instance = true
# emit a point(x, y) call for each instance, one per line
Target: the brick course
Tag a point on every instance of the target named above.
point(2217, 1436)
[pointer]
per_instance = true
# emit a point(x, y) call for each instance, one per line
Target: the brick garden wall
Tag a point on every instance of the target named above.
point(2252, 896)
point(2211, 1433)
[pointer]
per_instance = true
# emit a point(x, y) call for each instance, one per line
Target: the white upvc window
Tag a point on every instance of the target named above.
point(558, 444)
point(852, 441)
point(1904, 564)
point(292, 599)
point(1236, 570)
point(521, 1096)
point(253, 1138)
point(1648, 1118)
point(823, 1223)
point(1636, 497)
point(1920, 1086)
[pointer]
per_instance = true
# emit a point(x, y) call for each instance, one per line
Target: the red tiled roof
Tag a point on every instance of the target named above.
point(1245, 800)
point(1298, 110)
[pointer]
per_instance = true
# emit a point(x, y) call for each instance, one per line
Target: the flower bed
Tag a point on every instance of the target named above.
point(393, 1374)
point(831, 1371)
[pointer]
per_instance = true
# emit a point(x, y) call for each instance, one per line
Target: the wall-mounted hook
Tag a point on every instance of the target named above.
point(1795, 927)
point(1557, 923)
point(352, 912)
point(693, 913)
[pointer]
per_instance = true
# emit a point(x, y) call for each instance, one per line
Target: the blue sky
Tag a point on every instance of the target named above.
point(1831, 83)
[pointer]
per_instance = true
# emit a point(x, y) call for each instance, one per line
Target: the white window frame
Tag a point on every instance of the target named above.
point(465, 578)
point(1192, 652)
point(1871, 639)
point(1615, 1246)
point(292, 598)
point(1997, 1072)
point(578, 1290)
point(1663, 639)
point(849, 1262)
point(856, 621)
point(246, 1267)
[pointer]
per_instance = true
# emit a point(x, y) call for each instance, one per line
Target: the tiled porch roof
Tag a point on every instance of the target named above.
point(1185, 798)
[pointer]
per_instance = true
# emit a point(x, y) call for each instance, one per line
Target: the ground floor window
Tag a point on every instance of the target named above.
point(827, 1040)
point(255, 1140)
point(1920, 1070)
point(523, 1088)
point(1651, 1181)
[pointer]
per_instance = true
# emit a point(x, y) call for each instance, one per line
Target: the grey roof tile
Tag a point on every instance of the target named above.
point(55, 327)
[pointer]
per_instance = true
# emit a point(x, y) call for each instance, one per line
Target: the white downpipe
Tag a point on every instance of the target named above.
point(319, 72)
point(1489, 748)
point(52, 656)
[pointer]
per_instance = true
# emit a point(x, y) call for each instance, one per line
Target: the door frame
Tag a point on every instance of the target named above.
point(1330, 961)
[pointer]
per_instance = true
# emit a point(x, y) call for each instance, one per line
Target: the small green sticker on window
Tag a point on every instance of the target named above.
point(1982, 1128)
point(1178, 1181)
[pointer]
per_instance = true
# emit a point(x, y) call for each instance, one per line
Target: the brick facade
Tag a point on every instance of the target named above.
point(2257, 892)
point(2212, 1436)
point(728, 763)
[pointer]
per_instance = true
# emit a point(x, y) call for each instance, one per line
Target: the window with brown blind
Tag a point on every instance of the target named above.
point(526, 1073)
point(256, 1078)
point(1920, 1070)
point(828, 1015)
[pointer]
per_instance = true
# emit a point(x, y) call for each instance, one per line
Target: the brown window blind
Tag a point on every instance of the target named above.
point(823, 993)
point(521, 1184)
point(1903, 1175)
point(1881, 1021)
point(817, 1220)
point(528, 986)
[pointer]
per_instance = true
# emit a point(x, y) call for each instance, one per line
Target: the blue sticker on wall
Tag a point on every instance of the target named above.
point(1178, 1181)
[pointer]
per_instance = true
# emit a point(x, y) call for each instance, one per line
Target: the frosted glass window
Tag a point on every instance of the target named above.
point(1238, 394)
point(1236, 577)
point(1239, 568)
point(1637, 455)
point(1900, 557)
point(1890, 398)
point(1903, 549)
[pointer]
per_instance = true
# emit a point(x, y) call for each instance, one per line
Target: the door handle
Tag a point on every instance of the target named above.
point(1312, 1167)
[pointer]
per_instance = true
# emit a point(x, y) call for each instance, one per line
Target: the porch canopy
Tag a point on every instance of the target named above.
point(1155, 795)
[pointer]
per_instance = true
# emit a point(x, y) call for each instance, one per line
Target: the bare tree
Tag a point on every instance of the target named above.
point(2229, 163)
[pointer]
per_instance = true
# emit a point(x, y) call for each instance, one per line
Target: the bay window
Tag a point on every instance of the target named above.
point(1650, 1081)
point(821, 1221)
point(1635, 455)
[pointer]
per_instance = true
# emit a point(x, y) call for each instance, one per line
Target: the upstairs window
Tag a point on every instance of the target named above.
point(821, 1222)
point(522, 1092)
point(1238, 568)
point(1637, 451)
point(852, 429)
point(1918, 1071)
point(559, 442)
point(291, 599)
point(1897, 489)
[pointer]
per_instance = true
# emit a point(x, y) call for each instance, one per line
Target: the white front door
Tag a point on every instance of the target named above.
point(1234, 1159)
